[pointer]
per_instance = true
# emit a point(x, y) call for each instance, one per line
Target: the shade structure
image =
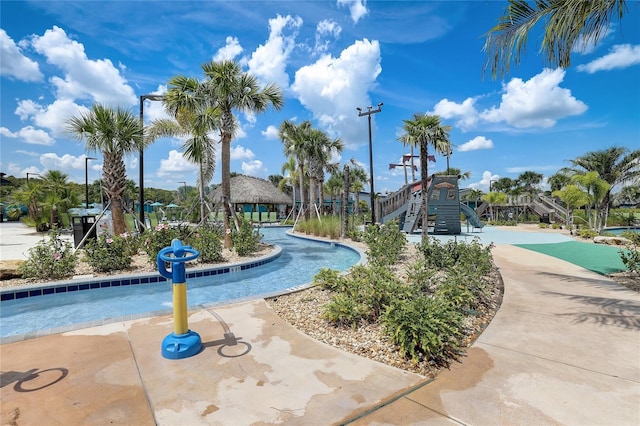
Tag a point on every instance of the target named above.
point(172, 206)
point(252, 190)
point(156, 204)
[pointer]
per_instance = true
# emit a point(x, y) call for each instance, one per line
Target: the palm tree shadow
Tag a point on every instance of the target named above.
point(603, 311)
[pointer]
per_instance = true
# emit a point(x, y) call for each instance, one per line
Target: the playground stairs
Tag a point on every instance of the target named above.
point(413, 212)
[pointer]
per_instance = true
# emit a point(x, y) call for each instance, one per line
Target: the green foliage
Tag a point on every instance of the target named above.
point(50, 259)
point(385, 243)
point(328, 226)
point(246, 240)
point(543, 225)
point(109, 253)
point(424, 327)
point(368, 290)
point(586, 233)
point(631, 258)
point(474, 256)
point(207, 239)
point(634, 237)
point(329, 279)
point(160, 237)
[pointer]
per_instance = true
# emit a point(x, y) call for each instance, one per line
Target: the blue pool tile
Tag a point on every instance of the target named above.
point(8, 296)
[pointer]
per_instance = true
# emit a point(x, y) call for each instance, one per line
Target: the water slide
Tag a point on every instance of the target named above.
point(471, 216)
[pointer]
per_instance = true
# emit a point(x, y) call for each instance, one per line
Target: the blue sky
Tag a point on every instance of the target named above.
point(330, 57)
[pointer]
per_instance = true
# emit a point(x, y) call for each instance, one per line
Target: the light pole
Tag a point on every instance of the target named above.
point(141, 173)
point(185, 189)
point(490, 184)
point(86, 181)
point(370, 111)
point(31, 174)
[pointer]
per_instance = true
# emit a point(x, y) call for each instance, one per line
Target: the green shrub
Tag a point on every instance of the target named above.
point(160, 237)
point(634, 237)
point(424, 328)
point(207, 239)
point(385, 243)
point(246, 240)
point(108, 253)
point(50, 259)
point(631, 258)
point(329, 279)
point(586, 233)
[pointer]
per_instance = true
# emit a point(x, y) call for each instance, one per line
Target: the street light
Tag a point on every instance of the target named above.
point(370, 111)
point(86, 181)
point(490, 182)
point(185, 189)
point(31, 174)
point(141, 174)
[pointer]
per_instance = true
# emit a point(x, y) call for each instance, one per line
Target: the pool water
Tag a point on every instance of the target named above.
point(300, 260)
point(620, 230)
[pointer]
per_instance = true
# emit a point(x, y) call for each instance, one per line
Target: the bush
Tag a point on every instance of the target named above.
point(160, 237)
point(586, 233)
point(109, 253)
point(631, 258)
point(385, 243)
point(50, 259)
point(207, 239)
point(246, 240)
point(424, 327)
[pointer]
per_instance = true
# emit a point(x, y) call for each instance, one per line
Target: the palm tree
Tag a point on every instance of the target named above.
point(569, 24)
point(291, 168)
point(615, 165)
point(115, 133)
point(596, 189)
point(195, 116)
point(233, 89)
point(494, 198)
point(358, 177)
point(453, 171)
point(320, 151)
point(558, 181)
point(56, 187)
point(424, 130)
point(295, 140)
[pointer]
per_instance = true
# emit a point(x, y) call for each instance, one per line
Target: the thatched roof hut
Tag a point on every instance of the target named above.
point(252, 190)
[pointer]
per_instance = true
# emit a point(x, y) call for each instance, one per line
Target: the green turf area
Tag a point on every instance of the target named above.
point(594, 257)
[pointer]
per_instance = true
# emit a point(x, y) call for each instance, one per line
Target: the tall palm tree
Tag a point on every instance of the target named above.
point(115, 133)
point(234, 89)
point(615, 165)
point(568, 24)
point(195, 116)
point(320, 151)
point(295, 139)
point(358, 177)
point(290, 167)
point(423, 131)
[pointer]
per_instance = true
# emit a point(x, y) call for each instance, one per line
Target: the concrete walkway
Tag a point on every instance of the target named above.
point(564, 348)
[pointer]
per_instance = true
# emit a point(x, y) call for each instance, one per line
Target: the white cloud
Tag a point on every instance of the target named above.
point(358, 8)
point(241, 153)
point(254, 168)
point(52, 161)
point(14, 64)
point(29, 135)
point(271, 132)
point(269, 61)
point(620, 56)
point(484, 183)
point(465, 112)
point(538, 102)
point(479, 142)
point(176, 163)
point(53, 116)
point(96, 80)
point(230, 51)
point(331, 88)
point(326, 28)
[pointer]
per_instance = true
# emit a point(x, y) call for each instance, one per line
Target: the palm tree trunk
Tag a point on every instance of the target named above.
point(201, 189)
point(424, 173)
point(226, 187)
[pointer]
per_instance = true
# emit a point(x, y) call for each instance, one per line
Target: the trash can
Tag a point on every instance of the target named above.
point(81, 226)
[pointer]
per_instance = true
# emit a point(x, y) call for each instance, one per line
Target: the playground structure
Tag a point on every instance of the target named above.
point(444, 205)
point(445, 208)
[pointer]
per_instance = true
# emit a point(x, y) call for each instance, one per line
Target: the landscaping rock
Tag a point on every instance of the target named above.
point(612, 241)
point(9, 269)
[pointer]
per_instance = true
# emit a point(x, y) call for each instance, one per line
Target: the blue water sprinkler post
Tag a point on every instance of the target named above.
point(182, 343)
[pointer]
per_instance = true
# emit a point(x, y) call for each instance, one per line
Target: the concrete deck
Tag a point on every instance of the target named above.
point(564, 348)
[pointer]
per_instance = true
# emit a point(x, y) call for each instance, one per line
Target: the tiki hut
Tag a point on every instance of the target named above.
point(257, 199)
